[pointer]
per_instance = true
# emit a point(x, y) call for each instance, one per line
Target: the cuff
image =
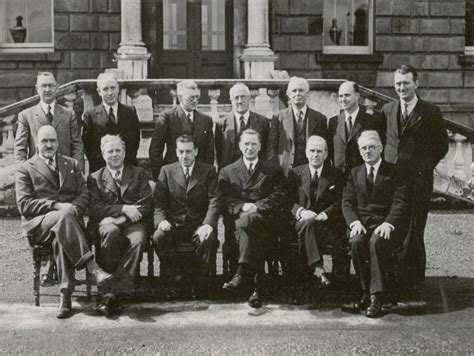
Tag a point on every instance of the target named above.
point(298, 213)
point(352, 223)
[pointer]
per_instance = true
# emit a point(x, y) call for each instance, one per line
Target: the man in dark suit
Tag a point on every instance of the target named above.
point(48, 112)
point(52, 199)
point(291, 127)
point(416, 141)
point(120, 211)
point(344, 128)
point(183, 119)
point(374, 205)
point(187, 208)
point(316, 191)
point(110, 118)
point(254, 192)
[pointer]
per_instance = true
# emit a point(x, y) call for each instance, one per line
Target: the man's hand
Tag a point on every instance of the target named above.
point(249, 208)
point(321, 217)
point(164, 225)
point(116, 221)
point(357, 228)
point(307, 214)
point(132, 212)
point(66, 207)
point(384, 230)
point(203, 232)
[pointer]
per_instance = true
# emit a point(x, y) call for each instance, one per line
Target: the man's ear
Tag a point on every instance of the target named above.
point(197, 151)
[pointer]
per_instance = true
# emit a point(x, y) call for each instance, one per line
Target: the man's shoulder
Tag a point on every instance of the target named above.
point(126, 108)
point(28, 112)
point(311, 113)
point(298, 170)
point(281, 114)
point(258, 116)
point(97, 174)
point(202, 115)
point(205, 166)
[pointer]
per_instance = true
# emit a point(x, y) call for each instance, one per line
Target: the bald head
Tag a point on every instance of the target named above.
point(349, 96)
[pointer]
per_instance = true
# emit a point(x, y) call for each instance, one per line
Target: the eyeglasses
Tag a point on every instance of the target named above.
point(368, 148)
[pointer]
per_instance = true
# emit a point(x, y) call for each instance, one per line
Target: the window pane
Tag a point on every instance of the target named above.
point(12, 9)
point(346, 22)
point(39, 19)
point(470, 23)
point(174, 24)
point(213, 25)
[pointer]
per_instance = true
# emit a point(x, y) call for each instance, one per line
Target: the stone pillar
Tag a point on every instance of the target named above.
point(132, 56)
point(240, 35)
point(258, 58)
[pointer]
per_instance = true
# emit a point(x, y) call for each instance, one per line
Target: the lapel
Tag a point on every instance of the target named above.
point(341, 126)
point(108, 181)
point(63, 169)
point(59, 114)
point(199, 123)
point(194, 179)
point(323, 182)
point(40, 116)
point(126, 179)
point(306, 182)
point(254, 122)
point(241, 173)
point(230, 129)
point(381, 174)
point(178, 175)
point(414, 117)
point(393, 115)
point(357, 126)
point(183, 120)
point(288, 123)
point(101, 115)
point(39, 166)
point(362, 180)
point(310, 123)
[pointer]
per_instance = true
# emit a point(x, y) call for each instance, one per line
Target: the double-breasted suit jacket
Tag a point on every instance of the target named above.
point(169, 126)
point(344, 152)
point(97, 124)
point(281, 140)
point(67, 128)
point(227, 141)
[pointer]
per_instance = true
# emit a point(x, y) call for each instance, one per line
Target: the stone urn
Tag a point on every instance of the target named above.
point(19, 31)
point(335, 33)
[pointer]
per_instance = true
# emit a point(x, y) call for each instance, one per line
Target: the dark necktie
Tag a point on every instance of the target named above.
point(250, 169)
point(314, 187)
point(117, 178)
point(52, 165)
point(404, 114)
point(370, 180)
point(187, 175)
point(300, 120)
point(191, 124)
point(348, 127)
point(112, 115)
point(49, 115)
point(242, 126)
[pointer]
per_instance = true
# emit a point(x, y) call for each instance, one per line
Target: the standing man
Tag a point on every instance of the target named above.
point(52, 199)
point(187, 208)
point(291, 127)
point(120, 211)
point(345, 128)
point(110, 118)
point(48, 112)
point(315, 195)
point(374, 205)
point(416, 141)
point(254, 193)
point(183, 119)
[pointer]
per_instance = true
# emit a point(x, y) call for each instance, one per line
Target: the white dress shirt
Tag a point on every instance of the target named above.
point(44, 106)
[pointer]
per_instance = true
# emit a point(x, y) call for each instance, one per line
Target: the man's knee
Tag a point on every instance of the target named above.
point(109, 232)
point(357, 240)
point(248, 220)
point(160, 238)
point(137, 239)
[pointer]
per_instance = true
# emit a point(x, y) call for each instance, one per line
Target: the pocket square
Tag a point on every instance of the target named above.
point(332, 187)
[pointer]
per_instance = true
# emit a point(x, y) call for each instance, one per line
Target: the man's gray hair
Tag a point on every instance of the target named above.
point(369, 134)
point(297, 80)
point(250, 132)
point(317, 139)
point(45, 74)
point(111, 138)
point(238, 86)
point(106, 75)
point(46, 128)
point(184, 85)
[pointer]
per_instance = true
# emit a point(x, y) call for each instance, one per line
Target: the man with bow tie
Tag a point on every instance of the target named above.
point(120, 218)
point(187, 203)
point(253, 191)
point(52, 198)
point(315, 194)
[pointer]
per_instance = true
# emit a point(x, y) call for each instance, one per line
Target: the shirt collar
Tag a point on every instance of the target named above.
point(112, 171)
point(247, 163)
point(44, 106)
point(190, 168)
point(107, 108)
point(312, 170)
point(376, 167)
point(46, 160)
point(303, 109)
point(189, 113)
point(237, 118)
point(410, 104)
point(353, 115)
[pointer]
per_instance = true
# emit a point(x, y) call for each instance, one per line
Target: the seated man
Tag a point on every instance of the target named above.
point(52, 198)
point(374, 205)
point(120, 210)
point(187, 208)
point(316, 191)
point(253, 191)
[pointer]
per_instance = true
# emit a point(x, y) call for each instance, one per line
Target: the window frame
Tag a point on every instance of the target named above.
point(468, 50)
point(328, 49)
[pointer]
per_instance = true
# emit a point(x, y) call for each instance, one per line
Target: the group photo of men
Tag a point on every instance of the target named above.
point(359, 182)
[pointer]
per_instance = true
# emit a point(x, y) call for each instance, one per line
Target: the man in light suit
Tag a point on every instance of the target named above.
point(315, 195)
point(183, 119)
point(254, 194)
point(48, 112)
point(120, 209)
point(291, 127)
point(110, 118)
point(344, 128)
point(52, 199)
point(416, 141)
point(187, 203)
point(228, 131)
point(375, 206)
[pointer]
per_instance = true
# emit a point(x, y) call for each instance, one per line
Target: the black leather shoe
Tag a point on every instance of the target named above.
point(48, 280)
point(324, 281)
point(236, 283)
point(65, 308)
point(105, 306)
point(100, 277)
point(254, 300)
point(375, 308)
point(363, 303)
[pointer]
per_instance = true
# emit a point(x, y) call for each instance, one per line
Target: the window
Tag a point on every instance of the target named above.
point(469, 27)
point(26, 26)
point(348, 26)
point(213, 25)
point(174, 24)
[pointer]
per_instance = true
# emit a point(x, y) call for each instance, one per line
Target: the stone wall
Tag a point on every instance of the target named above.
point(86, 33)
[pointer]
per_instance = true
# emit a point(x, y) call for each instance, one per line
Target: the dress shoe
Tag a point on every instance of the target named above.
point(236, 283)
point(65, 308)
point(254, 300)
point(324, 281)
point(375, 308)
point(363, 303)
point(99, 276)
point(105, 306)
point(48, 280)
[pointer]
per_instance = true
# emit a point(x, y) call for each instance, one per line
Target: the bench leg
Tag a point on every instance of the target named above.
point(151, 262)
point(36, 279)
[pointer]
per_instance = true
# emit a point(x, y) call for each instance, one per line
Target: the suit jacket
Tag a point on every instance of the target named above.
point(196, 203)
point(107, 199)
point(421, 143)
point(328, 195)
point(37, 190)
point(387, 203)
point(226, 141)
point(169, 126)
point(97, 124)
point(281, 140)
point(345, 153)
point(67, 128)
point(266, 187)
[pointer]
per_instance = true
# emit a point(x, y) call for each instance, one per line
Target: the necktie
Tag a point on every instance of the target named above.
point(186, 174)
point(250, 169)
point(404, 114)
point(242, 126)
point(370, 180)
point(191, 124)
point(300, 116)
point(314, 188)
point(315, 179)
point(117, 178)
point(49, 115)
point(348, 127)
point(52, 165)
point(112, 115)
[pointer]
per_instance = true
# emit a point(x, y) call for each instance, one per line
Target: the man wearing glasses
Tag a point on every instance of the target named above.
point(180, 120)
point(374, 205)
